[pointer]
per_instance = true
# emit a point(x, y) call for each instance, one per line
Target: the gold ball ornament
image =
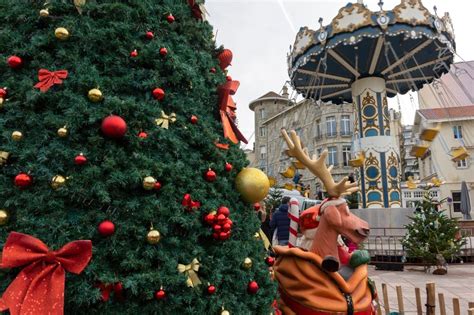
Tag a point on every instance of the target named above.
point(62, 132)
point(247, 264)
point(153, 237)
point(44, 13)
point(149, 183)
point(61, 33)
point(225, 312)
point(95, 95)
point(1, 102)
point(58, 181)
point(17, 135)
point(3, 217)
point(252, 184)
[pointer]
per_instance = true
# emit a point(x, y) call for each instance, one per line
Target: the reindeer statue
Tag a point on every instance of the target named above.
point(309, 281)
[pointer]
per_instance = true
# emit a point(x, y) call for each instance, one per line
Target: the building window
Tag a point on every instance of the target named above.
point(332, 156)
point(318, 131)
point(407, 194)
point(418, 194)
point(263, 152)
point(262, 113)
point(456, 201)
point(345, 125)
point(262, 132)
point(346, 155)
point(457, 131)
point(462, 163)
point(331, 126)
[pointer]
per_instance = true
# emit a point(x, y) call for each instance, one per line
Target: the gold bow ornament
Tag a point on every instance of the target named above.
point(165, 120)
point(191, 272)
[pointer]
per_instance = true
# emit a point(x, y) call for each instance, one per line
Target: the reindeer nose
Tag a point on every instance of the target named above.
point(363, 231)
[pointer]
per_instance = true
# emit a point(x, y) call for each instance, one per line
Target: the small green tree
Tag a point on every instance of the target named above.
point(273, 199)
point(432, 233)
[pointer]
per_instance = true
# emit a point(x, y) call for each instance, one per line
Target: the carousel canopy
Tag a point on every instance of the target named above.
point(407, 46)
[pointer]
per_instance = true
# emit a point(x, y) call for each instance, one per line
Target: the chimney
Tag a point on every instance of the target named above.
point(285, 92)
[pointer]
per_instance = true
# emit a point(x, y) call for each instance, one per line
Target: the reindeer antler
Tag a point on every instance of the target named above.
point(318, 167)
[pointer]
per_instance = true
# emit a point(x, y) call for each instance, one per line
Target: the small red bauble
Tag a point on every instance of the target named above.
point(211, 289)
point(193, 119)
point(209, 218)
point(134, 53)
point(114, 127)
point(3, 92)
point(224, 235)
point(14, 62)
point(170, 18)
point(229, 221)
point(256, 206)
point(217, 228)
point(158, 94)
point(149, 35)
point(80, 159)
point(213, 70)
point(270, 260)
point(210, 175)
point(221, 219)
point(223, 210)
point(163, 51)
point(252, 287)
point(228, 167)
point(142, 135)
point(228, 78)
point(226, 227)
point(160, 295)
point(23, 180)
point(215, 236)
point(106, 228)
point(157, 186)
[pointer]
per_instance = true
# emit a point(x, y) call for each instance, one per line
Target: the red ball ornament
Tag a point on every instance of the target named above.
point(134, 53)
point(225, 58)
point(114, 127)
point(210, 175)
point(158, 94)
point(229, 221)
point(14, 62)
point(157, 186)
point(209, 218)
point(142, 135)
point(211, 289)
point(270, 261)
point(213, 70)
point(149, 35)
point(224, 211)
point(224, 235)
point(23, 180)
point(215, 236)
point(80, 159)
point(252, 287)
point(221, 219)
point(193, 119)
point(3, 92)
point(226, 227)
point(256, 206)
point(106, 228)
point(228, 167)
point(163, 51)
point(160, 295)
point(228, 78)
point(170, 18)
point(217, 228)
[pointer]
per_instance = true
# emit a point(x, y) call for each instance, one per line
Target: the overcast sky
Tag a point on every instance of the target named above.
point(259, 32)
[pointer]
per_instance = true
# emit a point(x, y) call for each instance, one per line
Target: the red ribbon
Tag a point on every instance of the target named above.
point(190, 204)
point(107, 289)
point(49, 78)
point(227, 110)
point(39, 288)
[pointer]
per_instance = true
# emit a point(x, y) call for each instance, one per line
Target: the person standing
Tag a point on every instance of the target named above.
point(281, 222)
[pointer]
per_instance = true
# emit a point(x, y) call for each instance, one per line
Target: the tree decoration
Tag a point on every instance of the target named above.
point(252, 287)
point(247, 264)
point(220, 222)
point(106, 228)
point(149, 35)
point(62, 132)
point(211, 289)
point(161, 294)
point(80, 159)
point(153, 237)
point(61, 33)
point(149, 183)
point(3, 96)
point(134, 53)
point(142, 135)
point(210, 175)
point(164, 121)
point(228, 78)
point(14, 62)
point(157, 186)
point(270, 261)
point(170, 18)
point(225, 58)
point(227, 108)
point(256, 206)
point(213, 70)
point(4, 217)
point(190, 271)
point(252, 184)
point(158, 94)
point(17, 135)
point(95, 95)
point(42, 266)
point(49, 78)
point(79, 4)
point(23, 180)
point(58, 181)
point(4, 157)
point(190, 204)
point(193, 119)
point(224, 311)
point(107, 289)
point(163, 51)
point(198, 10)
point(114, 126)
point(44, 13)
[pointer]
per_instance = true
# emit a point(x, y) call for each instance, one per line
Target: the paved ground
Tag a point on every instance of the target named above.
point(459, 282)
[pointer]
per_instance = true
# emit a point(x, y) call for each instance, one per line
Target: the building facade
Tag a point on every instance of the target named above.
point(409, 163)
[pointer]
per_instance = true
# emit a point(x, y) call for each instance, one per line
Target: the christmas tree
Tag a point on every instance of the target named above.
point(432, 236)
point(118, 135)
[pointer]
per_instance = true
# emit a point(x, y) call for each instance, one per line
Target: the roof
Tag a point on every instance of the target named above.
point(270, 95)
point(458, 113)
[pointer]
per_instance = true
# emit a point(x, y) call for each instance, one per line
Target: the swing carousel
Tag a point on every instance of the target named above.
point(362, 57)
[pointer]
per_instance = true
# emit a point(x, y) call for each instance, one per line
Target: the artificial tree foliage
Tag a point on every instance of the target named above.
point(109, 185)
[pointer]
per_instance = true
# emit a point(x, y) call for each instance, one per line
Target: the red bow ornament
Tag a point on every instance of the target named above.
point(39, 288)
point(227, 109)
point(190, 204)
point(49, 78)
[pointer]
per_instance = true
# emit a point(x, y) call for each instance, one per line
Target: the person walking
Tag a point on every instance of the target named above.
point(281, 222)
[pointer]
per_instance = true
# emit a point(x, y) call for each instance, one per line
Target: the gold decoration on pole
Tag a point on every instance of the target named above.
point(191, 271)
point(165, 120)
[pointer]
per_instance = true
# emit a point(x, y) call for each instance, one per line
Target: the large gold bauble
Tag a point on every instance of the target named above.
point(252, 184)
point(153, 237)
point(17, 135)
point(61, 33)
point(247, 264)
point(95, 95)
point(3, 217)
point(149, 183)
point(44, 13)
point(58, 181)
point(62, 132)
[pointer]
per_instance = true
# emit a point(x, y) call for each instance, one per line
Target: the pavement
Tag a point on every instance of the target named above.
point(458, 282)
